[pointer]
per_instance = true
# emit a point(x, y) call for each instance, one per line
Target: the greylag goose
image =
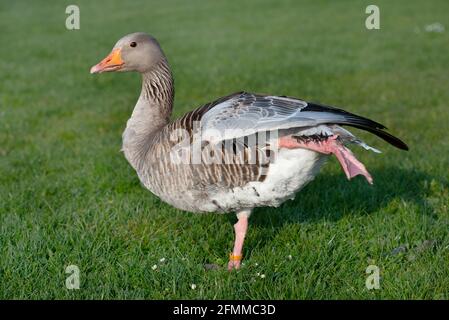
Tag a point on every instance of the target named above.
point(237, 153)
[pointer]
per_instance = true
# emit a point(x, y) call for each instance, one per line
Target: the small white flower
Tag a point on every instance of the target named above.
point(434, 27)
point(262, 276)
point(162, 260)
point(289, 257)
point(256, 264)
point(154, 267)
point(193, 286)
point(258, 273)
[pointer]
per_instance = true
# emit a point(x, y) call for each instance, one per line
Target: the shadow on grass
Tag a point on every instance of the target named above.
point(330, 197)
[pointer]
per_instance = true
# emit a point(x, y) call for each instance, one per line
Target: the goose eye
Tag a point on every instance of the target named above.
point(133, 44)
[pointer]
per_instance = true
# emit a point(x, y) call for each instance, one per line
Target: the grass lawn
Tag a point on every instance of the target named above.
point(68, 196)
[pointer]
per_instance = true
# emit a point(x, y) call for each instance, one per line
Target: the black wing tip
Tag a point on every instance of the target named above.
point(403, 146)
point(398, 143)
point(394, 141)
point(360, 122)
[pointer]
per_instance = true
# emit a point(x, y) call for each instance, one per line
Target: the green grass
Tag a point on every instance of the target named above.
point(68, 196)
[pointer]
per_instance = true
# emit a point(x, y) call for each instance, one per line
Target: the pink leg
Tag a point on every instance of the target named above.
point(240, 232)
point(351, 166)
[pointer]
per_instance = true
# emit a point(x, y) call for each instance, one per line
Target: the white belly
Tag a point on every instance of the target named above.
point(292, 170)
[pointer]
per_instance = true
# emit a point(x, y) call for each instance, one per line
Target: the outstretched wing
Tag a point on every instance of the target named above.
point(244, 114)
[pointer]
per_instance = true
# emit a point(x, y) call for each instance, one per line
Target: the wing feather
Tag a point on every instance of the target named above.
point(243, 114)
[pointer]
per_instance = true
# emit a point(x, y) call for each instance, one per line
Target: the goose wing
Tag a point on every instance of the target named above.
point(243, 114)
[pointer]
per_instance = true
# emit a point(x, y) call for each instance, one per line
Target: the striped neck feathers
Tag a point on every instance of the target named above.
point(151, 113)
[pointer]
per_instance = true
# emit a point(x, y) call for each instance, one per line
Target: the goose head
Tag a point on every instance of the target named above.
point(134, 52)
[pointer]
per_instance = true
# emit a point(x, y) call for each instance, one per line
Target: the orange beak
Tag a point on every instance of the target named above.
point(111, 63)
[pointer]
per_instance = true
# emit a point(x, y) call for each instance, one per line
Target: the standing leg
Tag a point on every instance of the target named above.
point(240, 232)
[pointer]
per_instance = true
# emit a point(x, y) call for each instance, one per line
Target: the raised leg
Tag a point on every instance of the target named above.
point(351, 166)
point(240, 232)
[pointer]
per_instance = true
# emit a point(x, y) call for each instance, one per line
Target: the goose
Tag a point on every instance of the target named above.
point(234, 154)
